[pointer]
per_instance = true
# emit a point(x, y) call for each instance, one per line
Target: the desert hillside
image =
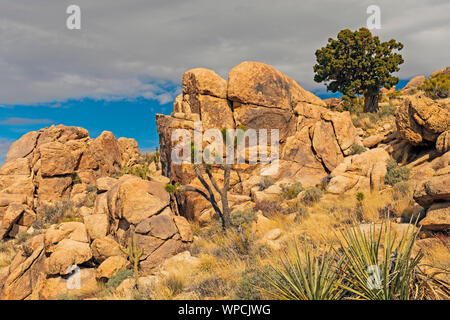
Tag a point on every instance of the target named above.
point(142, 226)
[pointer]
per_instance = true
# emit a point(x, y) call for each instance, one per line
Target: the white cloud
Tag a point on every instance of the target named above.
point(139, 48)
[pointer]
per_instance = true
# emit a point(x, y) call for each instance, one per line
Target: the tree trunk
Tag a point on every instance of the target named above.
point(371, 101)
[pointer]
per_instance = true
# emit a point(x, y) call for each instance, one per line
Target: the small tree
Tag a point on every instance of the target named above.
point(224, 212)
point(358, 63)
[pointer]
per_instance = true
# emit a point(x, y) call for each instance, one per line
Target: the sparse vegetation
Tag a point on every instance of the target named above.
point(291, 190)
point(312, 195)
point(437, 87)
point(395, 173)
point(357, 149)
point(141, 171)
point(268, 208)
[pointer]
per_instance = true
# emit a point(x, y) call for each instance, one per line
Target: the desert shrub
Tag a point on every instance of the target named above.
point(24, 236)
point(265, 183)
point(251, 283)
point(52, 214)
point(360, 196)
point(300, 213)
point(243, 218)
point(211, 287)
point(175, 283)
point(291, 190)
point(401, 189)
point(395, 173)
point(312, 195)
point(117, 279)
point(91, 188)
point(357, 149)
point(141, 171)
point(268, 208)
point(353, 104)
point(7, 253)
point(324, 183)
point(437, 87)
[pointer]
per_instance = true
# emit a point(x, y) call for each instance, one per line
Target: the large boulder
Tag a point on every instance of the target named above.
point(420, 120)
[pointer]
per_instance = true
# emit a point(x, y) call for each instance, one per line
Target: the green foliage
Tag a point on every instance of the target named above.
point(312, 196)
point(357, 62)
point(52, 214)
point(437, 87)
point(265, 183)
point(360, 196)
point(243, 218)
point(172, 188)
point(402, 189)
point(357, 149)
point(306, 277)
point(91, 188)
point(291, 190)
point(395, 173)
point(252, 282)
point(376, 269)
point(117, 279)
point(141, 171)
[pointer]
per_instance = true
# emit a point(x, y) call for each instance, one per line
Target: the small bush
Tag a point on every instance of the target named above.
point(401, 189)
point(268, 208)
point(243, 218)
point(357, 149)
point(91, 188)
point(395, 173)
point(174, 283)
point(291, 190)
point(437, 87)
point(52, 214)
point(211, 287)
point(141, 171)
point(117, 279)
point(301, 213)
point(360, 196)
point(251, 282)
point(265, 183)
point(312, 196)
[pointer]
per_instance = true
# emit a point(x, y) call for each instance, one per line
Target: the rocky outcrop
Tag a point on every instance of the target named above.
point(361, 172)
point(420, 120)
point(54, 164)
point(413, 84)
point(313, 140)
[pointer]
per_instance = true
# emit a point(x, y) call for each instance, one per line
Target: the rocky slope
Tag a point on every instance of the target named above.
point(66, 200)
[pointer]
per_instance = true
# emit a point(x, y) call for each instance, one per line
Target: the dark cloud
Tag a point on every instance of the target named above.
point(134, 48)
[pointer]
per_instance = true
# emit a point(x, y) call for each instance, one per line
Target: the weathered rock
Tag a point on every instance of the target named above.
point(437, 217)
point(111, 266)
point(260, 84)
point(413, 84)
point(66, 254)
point(420, 120)
point(97, 225)
point(443, 142)
point(22, 147)
point(75, 231)
point(105, 184)
point(160, 226)
point(55, 287)
point(103, 248)
point(362, 172)
point(184, 228)
point(435, 189)
point(130, 199)
point(204, 81)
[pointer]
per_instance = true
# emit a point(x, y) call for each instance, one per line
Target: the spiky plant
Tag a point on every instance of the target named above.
point(134, 254)
point(377, 269)
point(306, 277)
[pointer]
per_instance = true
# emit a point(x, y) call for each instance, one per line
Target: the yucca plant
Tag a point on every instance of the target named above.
point(376, 269)
point(305, 278)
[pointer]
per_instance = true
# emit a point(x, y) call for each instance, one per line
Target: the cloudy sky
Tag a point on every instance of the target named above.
point(127, 60)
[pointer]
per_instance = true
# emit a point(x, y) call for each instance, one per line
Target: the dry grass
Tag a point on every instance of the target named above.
point(7, 253)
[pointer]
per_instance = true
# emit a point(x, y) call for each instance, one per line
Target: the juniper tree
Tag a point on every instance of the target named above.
point(358, 63)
